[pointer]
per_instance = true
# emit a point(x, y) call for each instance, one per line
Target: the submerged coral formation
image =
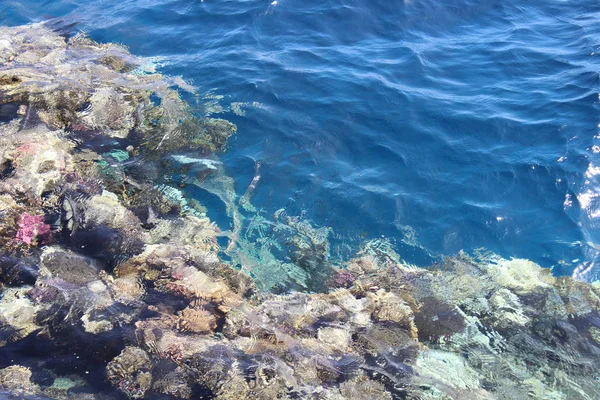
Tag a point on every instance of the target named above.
point(112, 286)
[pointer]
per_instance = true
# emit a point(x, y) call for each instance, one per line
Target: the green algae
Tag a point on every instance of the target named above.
point(118, 155)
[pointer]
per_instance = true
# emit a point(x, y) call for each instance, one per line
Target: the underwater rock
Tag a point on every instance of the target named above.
point(73, 290)
point(283, 339)
point(200, 285)
point(17, 379)
point(106, 209)
point(175, 198)
point(18, 312)
point(18, 271)
point(522, 276)
point(336, 337)
point(102, 89)
point(151, 205)
point(364, 389)
point(109, 112)
point(95, 326)
point(64, 386)
point(68, 266)
point(507, 310)
point(128, 289)
point(38, 158)
point(219, 370)
point(436, 320)
point(388, 307)
point(130, 372)
point(132, 279)
point(10, 213)
point(159, 337)
point(103, 228)
point(359, 309)
point(218, 130)
point(177, 383)
point(190, 230)
point(190, 273)
point(442, 373)
point(579, 298)
point(183, 132)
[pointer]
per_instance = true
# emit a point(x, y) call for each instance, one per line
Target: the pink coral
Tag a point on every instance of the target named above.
point(33, 229)
point(342, 279)
point(175, 352)
point(177, 275)
point(27, 148)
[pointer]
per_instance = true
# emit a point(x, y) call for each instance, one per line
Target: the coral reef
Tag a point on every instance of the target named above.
point(17, 379)
point(130, 372)
point(97, 89)
point(112, 284)
point(33, 230)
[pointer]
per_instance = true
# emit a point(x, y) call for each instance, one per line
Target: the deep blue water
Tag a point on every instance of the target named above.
point(450, 124)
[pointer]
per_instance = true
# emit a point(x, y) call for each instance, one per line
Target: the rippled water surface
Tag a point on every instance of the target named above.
point(443, 125)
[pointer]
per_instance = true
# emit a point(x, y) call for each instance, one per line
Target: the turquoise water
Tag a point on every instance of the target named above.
point(440, 125)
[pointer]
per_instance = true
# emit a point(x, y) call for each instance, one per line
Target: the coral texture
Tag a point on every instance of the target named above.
point(112, 284)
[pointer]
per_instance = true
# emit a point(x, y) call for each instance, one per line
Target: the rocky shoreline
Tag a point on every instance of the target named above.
point(112, 286)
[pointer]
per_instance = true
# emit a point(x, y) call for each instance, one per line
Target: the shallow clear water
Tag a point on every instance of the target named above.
point(442, 125)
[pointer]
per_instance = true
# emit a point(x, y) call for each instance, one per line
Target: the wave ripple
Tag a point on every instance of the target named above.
point(464, 123)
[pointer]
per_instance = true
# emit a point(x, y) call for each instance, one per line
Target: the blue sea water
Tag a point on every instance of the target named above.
point(442, 125)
